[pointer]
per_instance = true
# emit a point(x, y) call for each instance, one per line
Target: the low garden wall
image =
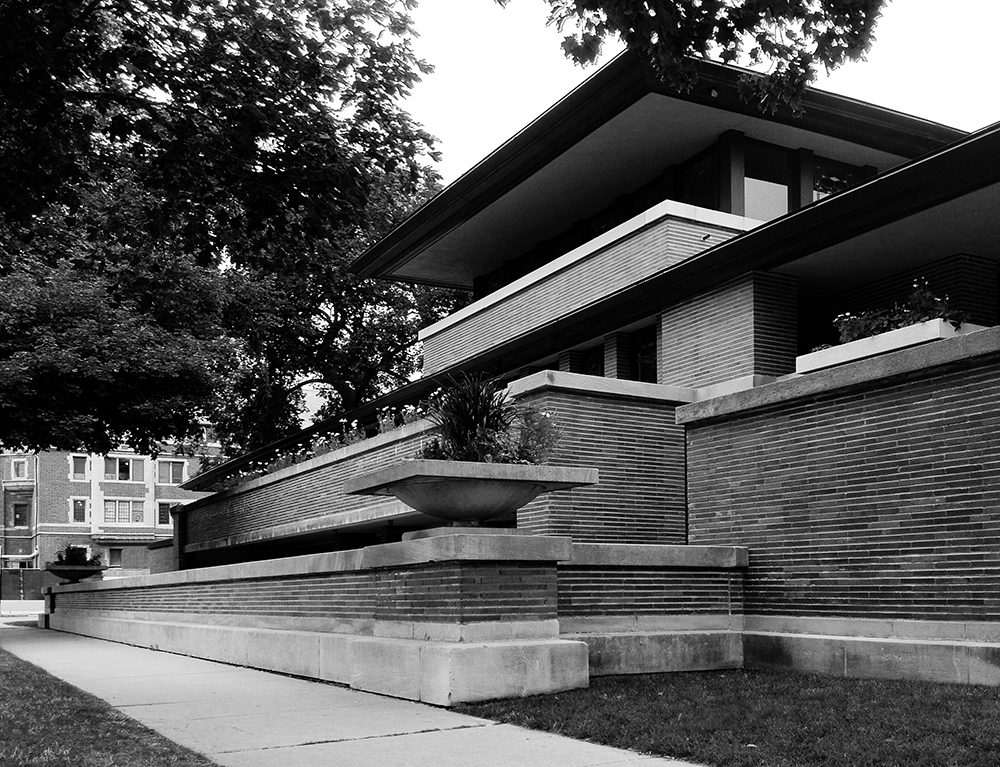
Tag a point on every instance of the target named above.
point(623, 428)
point(869, 497)
point(445, 618)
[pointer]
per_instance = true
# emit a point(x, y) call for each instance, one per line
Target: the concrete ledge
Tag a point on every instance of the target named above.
point(619, 624)
point(661, 652)
point(894, 658)
point(440, 673)
point(877, 628)
point(464, 547)
point(599, 386)
point(658, 555)
point(884, 368)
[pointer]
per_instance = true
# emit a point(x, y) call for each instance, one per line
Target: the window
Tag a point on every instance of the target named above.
point(123, 512)
point(642, 354)
point(171, 472)
point(114, 557)
point(765, 185)
point(20, 514)
point(79, 510)
point(831, 177)
point(78, 467)
point(124, 469)
point(163, 513)
point(19, 468)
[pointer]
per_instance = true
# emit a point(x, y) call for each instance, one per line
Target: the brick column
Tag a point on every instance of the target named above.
point(616, 356)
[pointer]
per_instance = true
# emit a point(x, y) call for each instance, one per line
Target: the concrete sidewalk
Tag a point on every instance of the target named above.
point(245, 718)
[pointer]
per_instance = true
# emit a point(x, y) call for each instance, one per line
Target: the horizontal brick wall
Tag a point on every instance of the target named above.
point(595, 591)
point(447, 592)
point(639, 452)
point(301, 492)
point(745, 327)
point(602, 273)
point(878, 501)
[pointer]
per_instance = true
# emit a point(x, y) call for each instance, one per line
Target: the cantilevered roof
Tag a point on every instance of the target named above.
point(619, 130)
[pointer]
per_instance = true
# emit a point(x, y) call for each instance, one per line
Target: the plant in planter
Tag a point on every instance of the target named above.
point(923, 317)
point(921, 306)
point(74, 563)
point(482, 464)
point(476, 422)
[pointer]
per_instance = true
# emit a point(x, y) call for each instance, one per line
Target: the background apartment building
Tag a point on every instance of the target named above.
point(114, 505)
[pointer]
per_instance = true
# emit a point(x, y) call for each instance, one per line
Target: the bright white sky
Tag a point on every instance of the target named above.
point(499, 68)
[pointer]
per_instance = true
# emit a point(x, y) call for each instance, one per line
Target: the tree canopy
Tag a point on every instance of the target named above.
point(792, 37)
point(182, 183)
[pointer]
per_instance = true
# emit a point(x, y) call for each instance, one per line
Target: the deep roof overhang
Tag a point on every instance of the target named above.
point(947, 202)
point(618, 130)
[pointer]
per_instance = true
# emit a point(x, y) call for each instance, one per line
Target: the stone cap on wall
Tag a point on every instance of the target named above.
point(911, 362)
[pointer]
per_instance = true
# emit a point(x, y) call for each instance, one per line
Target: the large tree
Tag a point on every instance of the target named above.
point(181, 185)
point(786, 41)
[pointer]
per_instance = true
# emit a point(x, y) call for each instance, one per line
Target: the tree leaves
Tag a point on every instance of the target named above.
point(795, 36)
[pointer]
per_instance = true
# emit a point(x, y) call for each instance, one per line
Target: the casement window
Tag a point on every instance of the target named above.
point(79, 510)
point(124, 512)
point(163, 513)
point(19, 468)
point(170, 472)
point(124, 469)
point(78, 468)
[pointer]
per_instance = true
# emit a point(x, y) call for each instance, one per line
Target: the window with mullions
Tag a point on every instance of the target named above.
point(831, 177)
point(124, 469)
point(78, 468)
point(765, 185)
point(163, 513)
point(170, 472)
point(123, 512)
point(78, 512)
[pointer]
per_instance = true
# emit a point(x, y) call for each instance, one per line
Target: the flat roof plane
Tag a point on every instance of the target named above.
point(619, 130)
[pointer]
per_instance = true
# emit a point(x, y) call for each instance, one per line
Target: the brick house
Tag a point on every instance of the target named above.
point(115, 506)
point(653, 268)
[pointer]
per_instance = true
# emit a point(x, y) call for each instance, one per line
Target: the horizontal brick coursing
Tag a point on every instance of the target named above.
point(745, 327)
point(600, 274)
point(296, 498)
point(879, 502)
point(639, 452)
point(611, 591)
point(448, 592)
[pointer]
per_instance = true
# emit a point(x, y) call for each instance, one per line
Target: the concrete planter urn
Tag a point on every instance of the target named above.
point(467, 493)
point(73, 573)
point(920, 333)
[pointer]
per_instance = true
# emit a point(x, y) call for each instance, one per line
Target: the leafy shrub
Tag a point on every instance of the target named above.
point(476, 422)
point(922, 305)
point(76, 556)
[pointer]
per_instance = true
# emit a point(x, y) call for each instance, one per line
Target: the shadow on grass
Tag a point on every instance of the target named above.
point(758, 718)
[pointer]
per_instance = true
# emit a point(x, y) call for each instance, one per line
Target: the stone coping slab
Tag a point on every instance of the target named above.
point(658, 555)
point(549, 477)
point(598, 385)
point(908, 362)
point(876, 628)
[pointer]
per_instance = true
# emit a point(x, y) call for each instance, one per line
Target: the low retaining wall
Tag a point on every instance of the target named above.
point(446, 618)
point(869, 497)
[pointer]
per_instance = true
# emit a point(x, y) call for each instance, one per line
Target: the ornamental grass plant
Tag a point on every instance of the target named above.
point(477, 422)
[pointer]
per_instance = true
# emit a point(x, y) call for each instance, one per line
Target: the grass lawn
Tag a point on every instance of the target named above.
point(757, 718)
point(45, 722)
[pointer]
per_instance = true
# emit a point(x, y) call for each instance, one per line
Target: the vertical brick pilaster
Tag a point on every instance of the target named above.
point(745, 327)
point(571, 361)
point(617, 362)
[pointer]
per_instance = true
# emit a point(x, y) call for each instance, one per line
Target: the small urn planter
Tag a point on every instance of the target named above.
point(920, 333)
point(467, 493)
point(73, 573)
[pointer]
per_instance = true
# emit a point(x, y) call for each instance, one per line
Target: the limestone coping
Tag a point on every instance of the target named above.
point(909, 362)
point(596, 385)
point(659, 555)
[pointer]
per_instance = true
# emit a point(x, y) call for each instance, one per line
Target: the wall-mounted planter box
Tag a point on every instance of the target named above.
point(921, 333)
point(464, 492)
